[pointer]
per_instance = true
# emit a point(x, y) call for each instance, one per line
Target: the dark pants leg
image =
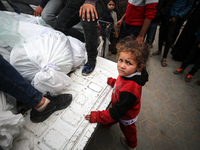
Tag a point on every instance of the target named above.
point(69, 17)
point(13, 83)
point(2, 7)
point(151, 32)
point(162, 33)
point(130, 30)
point(194, 56)
point(169, 38)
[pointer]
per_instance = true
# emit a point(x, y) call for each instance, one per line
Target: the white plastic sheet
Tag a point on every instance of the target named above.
point(9, 35)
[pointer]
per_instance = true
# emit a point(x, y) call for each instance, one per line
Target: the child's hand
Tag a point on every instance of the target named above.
point(87, 117)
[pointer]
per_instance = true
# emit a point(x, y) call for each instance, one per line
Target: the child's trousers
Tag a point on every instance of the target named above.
point(130, 133)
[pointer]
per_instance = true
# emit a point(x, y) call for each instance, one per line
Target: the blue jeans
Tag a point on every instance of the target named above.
point(13, 83)
point(69, 16)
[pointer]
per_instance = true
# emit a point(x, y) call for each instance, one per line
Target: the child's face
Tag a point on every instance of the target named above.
point(126, 65)
point(111, 5)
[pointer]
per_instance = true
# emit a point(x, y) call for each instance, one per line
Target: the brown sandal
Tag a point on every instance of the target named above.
point(156, 53)
point(164, 62)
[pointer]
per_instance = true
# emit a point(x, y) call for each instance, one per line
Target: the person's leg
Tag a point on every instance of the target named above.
point(151, 32)
point(170, 35)
point(130, 30)
point(15, 8)
point(51, 10)
point(2, 7)
point(68, 17)
point(24, 5)
point(196, 56)
point(14, 84)
point(130, 134)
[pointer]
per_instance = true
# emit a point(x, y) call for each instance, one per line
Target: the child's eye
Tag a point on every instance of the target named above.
point(129, 63)
point(120, 60)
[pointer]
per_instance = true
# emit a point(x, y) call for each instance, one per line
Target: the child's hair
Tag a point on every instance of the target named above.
point(114, 1)
point(139, 51)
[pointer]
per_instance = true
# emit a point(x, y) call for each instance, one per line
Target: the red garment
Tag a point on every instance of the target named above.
point(138, 10)
point(128, 86)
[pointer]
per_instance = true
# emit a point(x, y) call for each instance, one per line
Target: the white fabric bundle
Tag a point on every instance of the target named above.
point(45, 60)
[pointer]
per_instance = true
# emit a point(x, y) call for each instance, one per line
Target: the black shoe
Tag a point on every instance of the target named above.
point(88, 68)
point(56, 103)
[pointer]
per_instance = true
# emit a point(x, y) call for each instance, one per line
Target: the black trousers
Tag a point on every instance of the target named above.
point(193, 57)
point(69, 16)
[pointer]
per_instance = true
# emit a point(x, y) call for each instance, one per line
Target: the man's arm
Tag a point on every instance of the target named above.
point(150, 12)
point(143, 31)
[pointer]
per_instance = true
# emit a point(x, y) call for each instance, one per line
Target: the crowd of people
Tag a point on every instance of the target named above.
point(137, 25)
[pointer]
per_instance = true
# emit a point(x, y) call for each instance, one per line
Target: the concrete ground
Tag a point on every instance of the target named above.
point(170, 114)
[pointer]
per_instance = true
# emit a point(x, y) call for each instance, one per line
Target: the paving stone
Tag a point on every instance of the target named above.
point(172, 106)
point(197, 96)
point(170, 117)
point(166, 81)
point(184, 131)
point(144, 139)
point(164, 88)
point(166, 130)
point(157, 104)
point(147, 94)
point(190, 89)
point(149, 128)
point(154, 115)
point(179, 89)
point(186, 118)
point(188, 97)
point(162, 143)
point(161, 96)
point(138, 127)
point(187, 107)
point(141, 116)
point(174, 97)
point(197, 116)
point(145, 104)
point(197, 105)
point(196, 130)
point(196, 144)
point(181, 144)
point(151, 87)
point(154, 81)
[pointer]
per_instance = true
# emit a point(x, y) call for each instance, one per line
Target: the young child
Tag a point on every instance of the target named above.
point(126, 97)
point(110, 15)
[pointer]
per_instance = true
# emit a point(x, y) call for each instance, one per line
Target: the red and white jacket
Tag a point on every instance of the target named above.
point(138, 10)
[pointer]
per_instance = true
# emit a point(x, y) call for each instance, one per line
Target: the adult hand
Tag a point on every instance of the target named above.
point(140, 39)
point(88, 9)
point(38, 11)
point(119, 23)
point(87, 117)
